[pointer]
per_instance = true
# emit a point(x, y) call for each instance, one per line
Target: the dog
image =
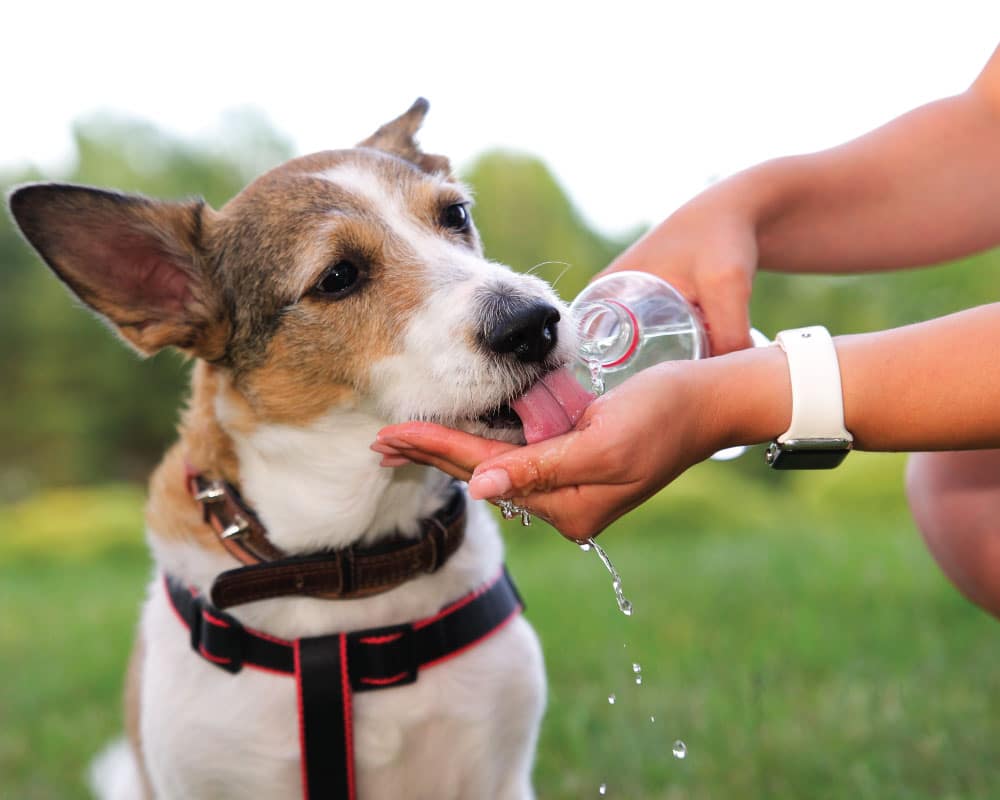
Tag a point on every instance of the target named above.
point(337, 293)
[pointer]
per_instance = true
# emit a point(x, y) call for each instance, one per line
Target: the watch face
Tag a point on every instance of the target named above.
point(779, 457)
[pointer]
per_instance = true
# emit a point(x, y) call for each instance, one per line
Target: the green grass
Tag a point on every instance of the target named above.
point(794, 634)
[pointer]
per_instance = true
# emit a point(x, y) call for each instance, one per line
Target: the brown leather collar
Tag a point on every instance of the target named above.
point(349, 573)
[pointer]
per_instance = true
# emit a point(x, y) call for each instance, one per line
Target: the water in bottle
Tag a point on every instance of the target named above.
point(628, 321)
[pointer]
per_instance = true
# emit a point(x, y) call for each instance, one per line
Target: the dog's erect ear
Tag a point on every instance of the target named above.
point(135, 261)
point(396, 137)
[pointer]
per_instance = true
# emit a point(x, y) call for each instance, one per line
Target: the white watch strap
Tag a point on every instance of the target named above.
point(817, 395)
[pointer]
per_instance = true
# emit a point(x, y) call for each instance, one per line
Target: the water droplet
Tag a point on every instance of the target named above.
point(680, 749)
point(611, 699)
point(638, 680)
point(616, 581)
point(636, 668)
point(602, 789)
point(585, 546)
point(652, 718)
point(596, 376)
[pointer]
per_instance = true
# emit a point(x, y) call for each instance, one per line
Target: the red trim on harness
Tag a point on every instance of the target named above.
point(470, 645)
point(302, 721)
point(345, 688)
point(170, 603)
point(268, 670)
point(210, 657)
point(270, 638)
point(386, 639)
point(385, 681)
point(462, 601)
point(214, 620)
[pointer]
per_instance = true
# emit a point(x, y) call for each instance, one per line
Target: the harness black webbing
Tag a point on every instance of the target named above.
point(329, 669)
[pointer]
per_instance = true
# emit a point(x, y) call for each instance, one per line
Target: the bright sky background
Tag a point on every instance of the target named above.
point(635, 106)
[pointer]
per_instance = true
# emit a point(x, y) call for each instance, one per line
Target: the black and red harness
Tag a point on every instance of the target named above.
point(328, 670)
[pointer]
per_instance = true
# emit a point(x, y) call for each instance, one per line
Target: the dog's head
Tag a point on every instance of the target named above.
point(350, 278)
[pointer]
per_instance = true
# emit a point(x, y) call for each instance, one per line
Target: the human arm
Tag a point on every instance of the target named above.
point(919, 190)
point(930, 386)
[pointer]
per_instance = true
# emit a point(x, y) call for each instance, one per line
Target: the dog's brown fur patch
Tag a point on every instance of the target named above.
point(204, 447)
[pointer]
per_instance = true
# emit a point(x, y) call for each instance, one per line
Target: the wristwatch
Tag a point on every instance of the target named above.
point(816, 437)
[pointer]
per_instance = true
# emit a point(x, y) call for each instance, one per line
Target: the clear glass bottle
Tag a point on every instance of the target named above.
point(628, 321)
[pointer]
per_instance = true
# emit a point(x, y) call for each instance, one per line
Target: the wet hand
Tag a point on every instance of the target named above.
point(628, 444)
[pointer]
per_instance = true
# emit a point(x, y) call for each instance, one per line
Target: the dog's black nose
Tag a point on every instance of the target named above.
point(527, 329)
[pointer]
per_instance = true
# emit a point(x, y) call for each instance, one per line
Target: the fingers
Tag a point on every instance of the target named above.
point(581, 512)
point(727, 324)
point(450, 451)
point(724, 298)
point(436, 441)
point(573, 459)
point(493, 469)
point(395, 457)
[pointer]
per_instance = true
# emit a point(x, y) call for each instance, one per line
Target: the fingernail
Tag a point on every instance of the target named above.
point(491, 483)
point(384, 449)
point(392, 441)
point(394, 461)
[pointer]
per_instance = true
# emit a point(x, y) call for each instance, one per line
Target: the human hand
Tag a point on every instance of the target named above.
point(708, 251)
point(627, 445)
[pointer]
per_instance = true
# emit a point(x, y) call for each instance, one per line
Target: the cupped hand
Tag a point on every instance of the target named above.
point(628, 444)
point(707, 250)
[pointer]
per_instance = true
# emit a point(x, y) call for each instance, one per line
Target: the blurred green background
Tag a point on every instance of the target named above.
point(792, 630)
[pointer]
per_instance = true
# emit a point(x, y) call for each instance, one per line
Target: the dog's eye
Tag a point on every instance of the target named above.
point(456, 217)
point(338, 280)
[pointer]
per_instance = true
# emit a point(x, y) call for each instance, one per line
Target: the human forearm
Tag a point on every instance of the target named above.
point(912, 192)
point(930, 386)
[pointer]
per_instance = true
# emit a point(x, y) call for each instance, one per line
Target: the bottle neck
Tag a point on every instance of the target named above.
point(609, 333)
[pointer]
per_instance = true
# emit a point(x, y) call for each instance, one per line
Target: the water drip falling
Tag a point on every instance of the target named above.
point(596, 376)
point(611, 699)
point(680, 749)
point(624, 605)
point(602, 789)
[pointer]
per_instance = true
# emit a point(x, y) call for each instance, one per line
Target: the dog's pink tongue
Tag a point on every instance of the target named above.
point(552, 406)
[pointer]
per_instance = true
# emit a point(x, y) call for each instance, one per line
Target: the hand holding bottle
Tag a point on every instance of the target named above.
point(707, 250)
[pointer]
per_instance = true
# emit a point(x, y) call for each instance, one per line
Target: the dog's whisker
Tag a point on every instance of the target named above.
point(539, 265)
point(558, 277)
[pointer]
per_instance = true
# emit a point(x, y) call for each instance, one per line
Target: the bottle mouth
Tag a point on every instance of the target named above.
point(609, 333)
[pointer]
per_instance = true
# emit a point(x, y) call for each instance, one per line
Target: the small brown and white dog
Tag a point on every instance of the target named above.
point(338, 293)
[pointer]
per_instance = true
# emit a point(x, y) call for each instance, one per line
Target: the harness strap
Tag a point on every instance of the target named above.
point(329, 669)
